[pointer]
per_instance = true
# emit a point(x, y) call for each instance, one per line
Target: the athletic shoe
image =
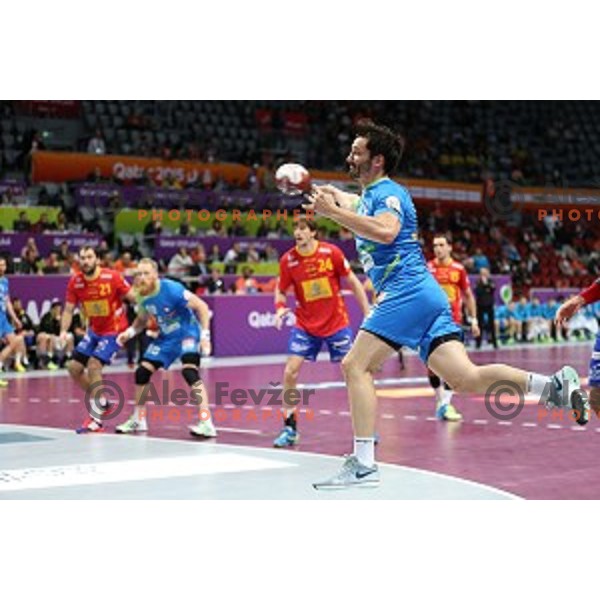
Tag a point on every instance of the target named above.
point(132, 426)
point(3, 383)
point(52, 366)
point(558, 396)
point(19, 368)
point(447, 412)
point(90, 425)
point(582, 409)
point(204, 429)
point(352, 474)
point(288, 437)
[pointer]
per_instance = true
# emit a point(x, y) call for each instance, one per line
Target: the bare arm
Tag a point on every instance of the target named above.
point(201, 309)
point(472, 312)
point(359, 292)
point(66, 319)
point(344, 199)
point(382, 229)
point(281, 309)
point(12, 314)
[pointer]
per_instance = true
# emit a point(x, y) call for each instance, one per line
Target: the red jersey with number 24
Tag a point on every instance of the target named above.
point(320, 308)
point(454, 281)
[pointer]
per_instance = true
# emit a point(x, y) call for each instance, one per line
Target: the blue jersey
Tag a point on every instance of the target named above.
point(501, 312)
point(169, 307)
point(536, 310)
point(522, 312)
point(549, 312)
point(4, 297)
point(402, 261)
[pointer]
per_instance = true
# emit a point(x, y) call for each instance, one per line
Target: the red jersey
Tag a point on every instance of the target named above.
point(101, 300)
point(454, 281)
point(320, 308)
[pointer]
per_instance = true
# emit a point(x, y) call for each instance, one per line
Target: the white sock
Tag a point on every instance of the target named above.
point(18, 357)
point(446, 396)
point(536, 384)
point(439, 396)
point(103, 402)
point(364, 450)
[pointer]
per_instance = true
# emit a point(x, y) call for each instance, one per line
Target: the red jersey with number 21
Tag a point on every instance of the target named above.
point(320, 308)
point(101, 300)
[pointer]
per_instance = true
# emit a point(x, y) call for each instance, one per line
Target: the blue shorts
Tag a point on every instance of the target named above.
point(102, 347)
point(5, 327)
point(594, 374)
point(167, 349)
point(413, 316)
point(304, 344)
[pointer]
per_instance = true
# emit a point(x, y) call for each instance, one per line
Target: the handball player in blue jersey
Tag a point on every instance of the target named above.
point(411, 308)
point(184, 328)
point(7, 331)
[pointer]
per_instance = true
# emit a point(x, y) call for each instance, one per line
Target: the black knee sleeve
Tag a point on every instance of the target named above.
point(435, 381)
point(191, 375)
point(142, 375)
point(190, 358)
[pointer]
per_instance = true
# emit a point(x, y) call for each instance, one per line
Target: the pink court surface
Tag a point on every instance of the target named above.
point(536, 455)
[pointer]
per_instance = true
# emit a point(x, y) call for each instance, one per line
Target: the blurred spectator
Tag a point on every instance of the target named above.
point(253, 255)
point(215, 254)
point(480, 261)
point(29, 257)
point(484, 297)
point(22, 224)
point(125, 264)
point(52, 265)
point(246, 284)
point(61, 222)
point(232, 257)
point(47, 341)
point(180, 264)
point(215, 284)
point(199, 266)
point(271, 254)
point(237, 230)
point(96, 145)
point(152, 231)
point(217, 229)
point(42, 225)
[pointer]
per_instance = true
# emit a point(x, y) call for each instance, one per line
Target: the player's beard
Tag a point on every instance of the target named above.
point(356, 171)
point(89, 271)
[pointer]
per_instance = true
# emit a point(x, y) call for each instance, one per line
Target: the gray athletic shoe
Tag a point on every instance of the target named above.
point(353, 473)
point(562, 384)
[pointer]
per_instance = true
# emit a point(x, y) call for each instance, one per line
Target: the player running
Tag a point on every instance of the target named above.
point(101, 293)
point(7, 331)
point(179, 314)
point(412, 309)
point(314, 270)
point(453, 279)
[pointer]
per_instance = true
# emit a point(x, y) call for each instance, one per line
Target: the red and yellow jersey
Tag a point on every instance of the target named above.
point(101, 300)
point(320, 308)
point(453, 279)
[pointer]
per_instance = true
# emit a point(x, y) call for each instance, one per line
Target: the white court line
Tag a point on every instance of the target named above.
point(35, 400)
point(324, 412)
point(343, 413)
point(74, 400)
point(431, 418)
point(411, 417)
point(529, 424)
point(234, 430)
point(388, 416)
point(506, 423)
point(291, 453)
point(554, 426)
point(480, 421)
point(14, 400)
point(577, 428)
point(54, 400)
point(133, 470)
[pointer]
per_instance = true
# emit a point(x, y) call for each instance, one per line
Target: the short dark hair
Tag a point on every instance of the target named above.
point(310, 223)
point(88, 247)
point(55, 304)
point(382, 140)
point(443, 235)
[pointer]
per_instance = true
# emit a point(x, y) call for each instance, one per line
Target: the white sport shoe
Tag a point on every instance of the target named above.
point(204, 429)
point(132, 426)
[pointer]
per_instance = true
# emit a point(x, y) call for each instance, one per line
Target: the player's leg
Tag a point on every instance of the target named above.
point(450, 360)
point(12, 344)
point(190, 370)
point(289, 435)
point(444, 409)
point(20, 354)
point(301, 346)
point(137, 422)
point(76, 367)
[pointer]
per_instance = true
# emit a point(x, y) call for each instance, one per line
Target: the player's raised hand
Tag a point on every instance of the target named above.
point(321, 200)
point(281, 312)
point(568, 309)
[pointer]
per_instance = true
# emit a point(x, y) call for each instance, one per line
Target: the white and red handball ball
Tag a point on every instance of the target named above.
point(292, 179)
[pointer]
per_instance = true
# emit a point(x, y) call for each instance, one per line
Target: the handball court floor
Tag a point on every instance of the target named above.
point(535, 455)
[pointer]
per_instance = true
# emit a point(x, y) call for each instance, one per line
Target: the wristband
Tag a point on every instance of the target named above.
point(131, 332)
point(205, 335)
